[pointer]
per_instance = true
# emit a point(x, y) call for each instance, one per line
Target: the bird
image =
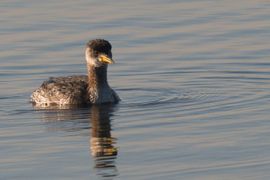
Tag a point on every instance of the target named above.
point(92, 88)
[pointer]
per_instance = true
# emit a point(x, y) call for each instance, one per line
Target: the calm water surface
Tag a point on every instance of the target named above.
point(194, 78)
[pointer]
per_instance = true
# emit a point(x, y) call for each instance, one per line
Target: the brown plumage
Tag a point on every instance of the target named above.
point(81, 89)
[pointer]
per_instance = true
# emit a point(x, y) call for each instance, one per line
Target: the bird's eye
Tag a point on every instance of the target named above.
point(95, 53)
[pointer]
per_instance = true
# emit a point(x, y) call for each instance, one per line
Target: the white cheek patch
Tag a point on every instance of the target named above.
point(90, 60)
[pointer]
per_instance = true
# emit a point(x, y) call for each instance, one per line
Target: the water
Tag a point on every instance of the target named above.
point(193, 76)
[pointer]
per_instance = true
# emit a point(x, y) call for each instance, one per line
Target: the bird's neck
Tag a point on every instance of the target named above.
point(97, 81)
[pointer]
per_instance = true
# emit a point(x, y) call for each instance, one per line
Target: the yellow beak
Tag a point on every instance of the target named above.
point(105, 59)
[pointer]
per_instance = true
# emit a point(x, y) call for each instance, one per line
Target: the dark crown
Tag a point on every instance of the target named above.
point(100, 45)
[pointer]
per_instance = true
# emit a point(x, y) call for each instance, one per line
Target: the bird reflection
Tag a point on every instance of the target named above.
point(102, 144)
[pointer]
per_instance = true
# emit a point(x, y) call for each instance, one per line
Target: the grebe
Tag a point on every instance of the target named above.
point(81, 89)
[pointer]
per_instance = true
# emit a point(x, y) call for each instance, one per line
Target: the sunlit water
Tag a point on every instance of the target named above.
point(193, 76)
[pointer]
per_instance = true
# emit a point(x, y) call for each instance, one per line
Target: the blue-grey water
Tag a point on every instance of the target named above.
point(193, 76)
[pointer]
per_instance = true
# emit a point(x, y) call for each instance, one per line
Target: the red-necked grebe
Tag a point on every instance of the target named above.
point(81, 89)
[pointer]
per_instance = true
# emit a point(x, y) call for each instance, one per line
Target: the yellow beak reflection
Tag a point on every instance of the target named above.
point(105, 59)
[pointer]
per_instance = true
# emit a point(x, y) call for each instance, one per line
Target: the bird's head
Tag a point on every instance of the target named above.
point(98, 53)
